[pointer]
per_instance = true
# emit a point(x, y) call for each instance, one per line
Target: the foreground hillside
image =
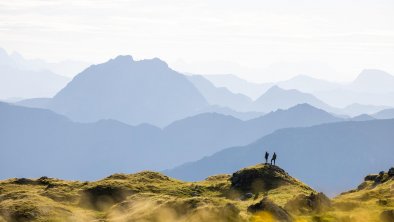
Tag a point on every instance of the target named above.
point(258, 193)
point(148, 196)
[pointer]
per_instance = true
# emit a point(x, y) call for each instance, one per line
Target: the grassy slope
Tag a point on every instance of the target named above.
point(150, 196)
point(367, 201)
point(145, 196)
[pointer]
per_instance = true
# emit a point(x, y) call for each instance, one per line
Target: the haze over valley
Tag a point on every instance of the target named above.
point(196, 111)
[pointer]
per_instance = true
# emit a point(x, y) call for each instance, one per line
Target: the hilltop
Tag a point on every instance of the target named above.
point(147, 196)
point(373, 199)
point(257, 193)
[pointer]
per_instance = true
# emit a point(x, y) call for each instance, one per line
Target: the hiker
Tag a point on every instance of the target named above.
point(273, 158)
point(266, 157)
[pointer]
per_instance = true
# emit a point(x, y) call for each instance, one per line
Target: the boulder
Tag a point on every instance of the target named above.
point(260, 178)
point(315, 202)
point(246, 196)
point(391, 172)
point(371, 177)
point(101, 197)
point(387, 216)
point(267, 206)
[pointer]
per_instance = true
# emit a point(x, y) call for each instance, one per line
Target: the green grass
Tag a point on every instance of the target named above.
point(151, 196)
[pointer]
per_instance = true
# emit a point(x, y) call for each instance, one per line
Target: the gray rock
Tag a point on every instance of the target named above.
point(280, 214)
point(391, 172)
point(387, 216)
point(246, 196)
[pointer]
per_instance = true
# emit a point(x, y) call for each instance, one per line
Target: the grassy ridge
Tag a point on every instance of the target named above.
point(151, 196)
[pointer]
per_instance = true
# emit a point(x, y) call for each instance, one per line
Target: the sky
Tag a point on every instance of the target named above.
point(258, 40)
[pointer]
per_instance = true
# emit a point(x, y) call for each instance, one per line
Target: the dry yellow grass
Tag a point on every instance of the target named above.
point(151, 196)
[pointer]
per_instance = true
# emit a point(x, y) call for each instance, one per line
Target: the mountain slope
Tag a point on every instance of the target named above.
point(149, 196)
point(220, 96)
point(134, 92)
point(18, 82)
point(372, 200)
point(108, 146)
point(33, 139)
point(373, 81)
point(238, 85)
point(277, 98)
point(384, 114)
point(308, 84)
point(208, 133)
point(349, 149)
point(356, 109)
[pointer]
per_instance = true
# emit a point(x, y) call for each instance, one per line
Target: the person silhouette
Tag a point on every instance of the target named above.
point(266, 157)
point(273, 158)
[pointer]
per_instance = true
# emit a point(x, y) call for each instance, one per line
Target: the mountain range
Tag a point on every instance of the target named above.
point(38, 137)
point(321, 155)
point(220, 96)
point(18, 82)
point(122, 89)
point(136, 92)
point(129, 91)
point(370, 87)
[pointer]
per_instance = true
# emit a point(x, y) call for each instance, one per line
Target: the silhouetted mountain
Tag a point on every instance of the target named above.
point(308, 84)
point(109, 146)
point(247, 115)
point(68, 68)
point(372, 87)
point(356, 109)
point(373, 80)
point(34, 102)
point(220, 96)
point(320, 155)
point(277, 98)
point(384, 114)
point(38, 142)
point(362, 117)
point(134, 92)
point(207, 133)
point(238, 85)
point(18, 81)
point(345, 97)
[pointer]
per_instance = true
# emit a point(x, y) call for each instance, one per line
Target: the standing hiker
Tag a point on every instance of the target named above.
point(266, 157)
point(273, 158)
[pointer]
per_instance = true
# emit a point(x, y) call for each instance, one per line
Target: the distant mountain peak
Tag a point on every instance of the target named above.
point(128, 59)
point(366, 74)
point(155, 62)
point(275, 88)
point(302, 106)
point(123, 59)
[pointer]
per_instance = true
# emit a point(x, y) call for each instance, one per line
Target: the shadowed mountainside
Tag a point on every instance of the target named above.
point(220, 96)
point(17, 81)
point(108, 146)
point(350, 149)
point(132, 92)
point(277, 98)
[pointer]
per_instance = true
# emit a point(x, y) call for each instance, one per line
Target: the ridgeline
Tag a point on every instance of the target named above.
point(258, 193)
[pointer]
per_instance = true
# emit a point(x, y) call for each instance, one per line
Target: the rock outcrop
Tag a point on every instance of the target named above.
point(260, 178)
point(268, 207)
point(313, 203)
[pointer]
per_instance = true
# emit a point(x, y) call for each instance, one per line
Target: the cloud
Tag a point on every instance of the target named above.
point(252, 33)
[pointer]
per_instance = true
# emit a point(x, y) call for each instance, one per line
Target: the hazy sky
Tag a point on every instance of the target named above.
point(332, 39)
